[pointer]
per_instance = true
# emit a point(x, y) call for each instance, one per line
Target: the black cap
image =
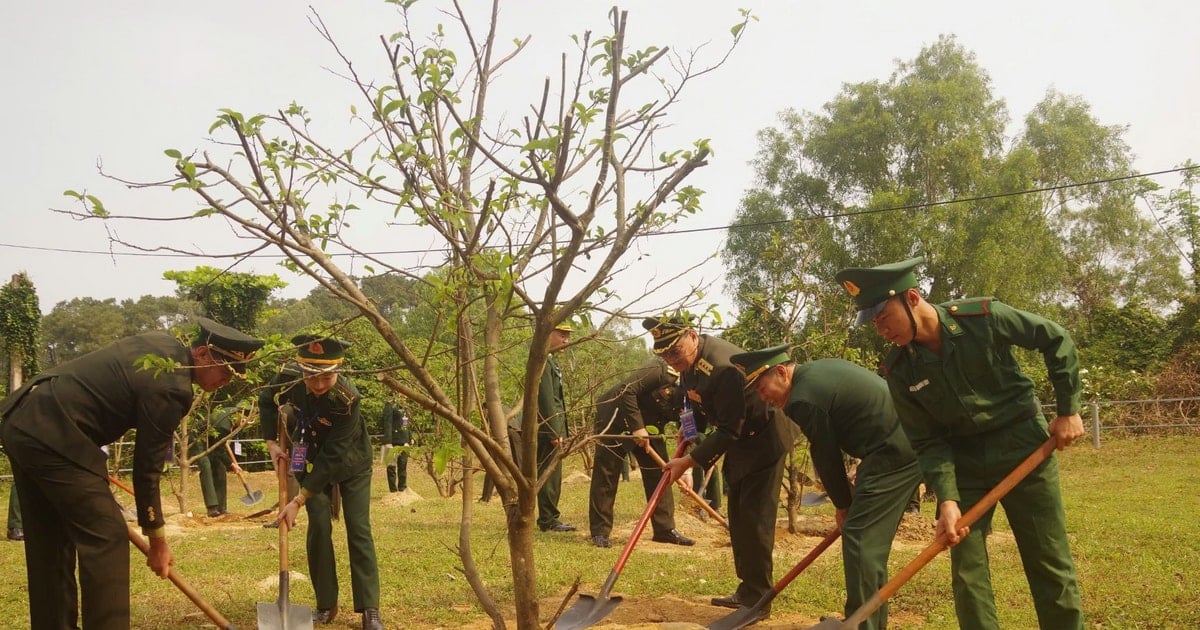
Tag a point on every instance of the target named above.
point(232, 346)
point(667, 330)
point(318, 354)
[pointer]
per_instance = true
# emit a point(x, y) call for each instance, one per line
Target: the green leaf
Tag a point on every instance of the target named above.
point(737, 28)
point(173, 153)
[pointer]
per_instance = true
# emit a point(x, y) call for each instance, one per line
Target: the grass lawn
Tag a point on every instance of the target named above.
point(1132, 511)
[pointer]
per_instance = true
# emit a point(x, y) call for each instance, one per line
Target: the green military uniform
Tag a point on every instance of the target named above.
point(649, 397)
point(396, 432)
point(53, 429)
point(16, 530)
point(332, 434)
point(972, 417)
point(844, 408)
point(213, 466)
point(552, 425)
point(754, 440)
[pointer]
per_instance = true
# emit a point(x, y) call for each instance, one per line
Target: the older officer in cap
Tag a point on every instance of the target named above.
point(844, 408)
point(552, 430)
point(54, 428)
point(753, 439)
point(330, 445)
point(972, 416)
point(648, 397)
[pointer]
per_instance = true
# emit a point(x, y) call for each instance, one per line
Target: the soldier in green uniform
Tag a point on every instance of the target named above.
point(552, 430)
point(649, 397)
point(330, 445)
point(214, 465)
point(396, 432)
point(753, 439)
point(972, 416)
point(16, 530)
point(54, 428)
point(843, 408)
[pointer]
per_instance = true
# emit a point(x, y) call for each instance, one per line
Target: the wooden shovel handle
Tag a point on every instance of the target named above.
point(688, 489)
point(988, 501)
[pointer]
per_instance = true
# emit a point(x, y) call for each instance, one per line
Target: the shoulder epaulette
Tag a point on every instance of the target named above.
point(344, 391)
point(968, 308)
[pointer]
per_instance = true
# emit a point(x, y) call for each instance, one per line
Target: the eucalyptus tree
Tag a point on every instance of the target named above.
point(534, 215)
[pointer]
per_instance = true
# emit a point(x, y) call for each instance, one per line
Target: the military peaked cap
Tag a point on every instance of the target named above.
point(754, 364)
point(230, 345)
point(317, 354)
point(872, 286)
point(667, 330)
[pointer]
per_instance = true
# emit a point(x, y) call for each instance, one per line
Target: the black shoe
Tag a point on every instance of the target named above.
point(673, 537)
point(912, 509)
point(371, 620)
point(325, 615)
point(601, 541)
point(215, 512)
point(16, 533)
point(559, 527)
point(733, 601)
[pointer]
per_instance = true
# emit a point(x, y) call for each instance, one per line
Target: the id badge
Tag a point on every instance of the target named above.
point(687, 422)
point(298, 452)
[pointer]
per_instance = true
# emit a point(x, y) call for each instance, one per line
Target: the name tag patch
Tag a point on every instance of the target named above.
point(919, 386)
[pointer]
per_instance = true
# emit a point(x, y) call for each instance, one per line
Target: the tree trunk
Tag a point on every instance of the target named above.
point(521, 517)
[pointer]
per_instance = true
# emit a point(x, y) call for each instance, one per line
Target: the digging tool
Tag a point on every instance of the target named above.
point(262, 512)
point(988, 501)
point(746, 616)
point(172, 575)
point(688, 490)
point(588, 609)
point(252, 496)
point(813, 499)
point(282, 614)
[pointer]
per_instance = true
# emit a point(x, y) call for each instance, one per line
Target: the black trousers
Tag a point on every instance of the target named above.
point(607, 464)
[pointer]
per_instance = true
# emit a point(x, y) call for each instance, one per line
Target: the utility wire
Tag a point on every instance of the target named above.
point(716, 228)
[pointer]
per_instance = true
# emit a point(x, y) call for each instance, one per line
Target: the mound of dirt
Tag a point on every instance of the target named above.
point(400, 499)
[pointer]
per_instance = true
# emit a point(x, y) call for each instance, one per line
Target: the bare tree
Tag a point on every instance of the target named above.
point(518, 208)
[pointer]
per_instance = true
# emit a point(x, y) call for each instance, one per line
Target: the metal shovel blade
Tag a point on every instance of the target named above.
point(252, 497)
point(587, 611)
point(812, 499)
point(281, 614)
point(740, 618)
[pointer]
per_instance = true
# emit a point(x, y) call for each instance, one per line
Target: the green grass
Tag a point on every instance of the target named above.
point(1132, 511)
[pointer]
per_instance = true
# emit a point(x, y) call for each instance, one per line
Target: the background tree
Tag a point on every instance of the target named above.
point(520, 208)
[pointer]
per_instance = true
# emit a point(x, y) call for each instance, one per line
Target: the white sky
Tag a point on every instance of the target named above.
point(120, 81)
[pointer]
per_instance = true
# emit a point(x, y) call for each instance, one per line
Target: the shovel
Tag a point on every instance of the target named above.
point(282, 614)
point(988, 501)
point(589, 610)
point(689, 492)
point(744, 616)
point(252, 496)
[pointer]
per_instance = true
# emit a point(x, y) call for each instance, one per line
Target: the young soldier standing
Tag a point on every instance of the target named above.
point(330, 445)
point(972, 416)
point(844, 408)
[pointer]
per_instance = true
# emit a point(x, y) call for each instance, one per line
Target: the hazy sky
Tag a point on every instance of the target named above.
point(118, 82)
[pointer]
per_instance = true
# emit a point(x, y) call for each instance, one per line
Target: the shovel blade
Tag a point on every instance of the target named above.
point(812, 499)
point(586, 612)
point(252, 498)
point(830, 623)
point(740, 618)
point(272, 616)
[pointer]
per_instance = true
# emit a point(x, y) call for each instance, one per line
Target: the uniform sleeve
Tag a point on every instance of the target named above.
point(387, 423)
point(552, 417)
point(158, 415)
point(268, 411)
point(823, 447)
point(725, 406)
point(339, 455)
point(1027, 330)
point(647, 379)
point(929, 441)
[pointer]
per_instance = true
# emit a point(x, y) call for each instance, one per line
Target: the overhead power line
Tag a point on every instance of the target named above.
point(715, 228)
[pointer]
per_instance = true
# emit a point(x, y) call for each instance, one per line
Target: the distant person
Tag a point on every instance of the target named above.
point(330, 445)
point(54, 428)
point(973, 416)
point(648, 397)
point(16, 531)
point(552, 431)
point(845, 409)
point(215, 464)
point(396, 432)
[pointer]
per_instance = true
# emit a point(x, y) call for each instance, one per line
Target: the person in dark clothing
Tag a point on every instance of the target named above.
point(396, 432)
point(552, 431)
point(53, 431)
point(845, 409)
point(16, 529)
point(753, 438)
point(649, 397)
point(216, 463)
point(329, 445)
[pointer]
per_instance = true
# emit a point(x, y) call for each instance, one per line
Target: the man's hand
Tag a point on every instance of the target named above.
point(947, 523)
point(287, 516)
point(279, 457)
point(160, 558)
point(675, 468)
point(1067, 429)
point(641, 437)
point(839, 516)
